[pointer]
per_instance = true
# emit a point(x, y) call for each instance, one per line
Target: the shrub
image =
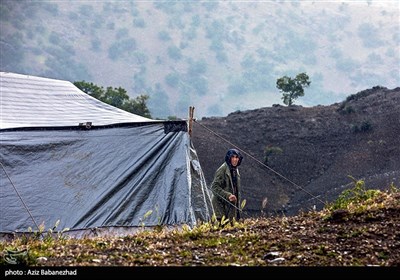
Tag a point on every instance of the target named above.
point(269, 150)
point(363, 127)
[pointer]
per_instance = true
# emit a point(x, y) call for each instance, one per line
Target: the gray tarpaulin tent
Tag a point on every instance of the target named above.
point(65, 156)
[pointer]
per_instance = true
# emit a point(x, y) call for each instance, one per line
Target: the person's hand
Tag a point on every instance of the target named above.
point(232, 198)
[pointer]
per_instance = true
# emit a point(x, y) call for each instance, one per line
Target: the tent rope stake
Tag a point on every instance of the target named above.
point(258, 161)
point(26, 207)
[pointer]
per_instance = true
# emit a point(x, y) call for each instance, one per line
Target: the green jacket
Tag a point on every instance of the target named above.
point(222, 188)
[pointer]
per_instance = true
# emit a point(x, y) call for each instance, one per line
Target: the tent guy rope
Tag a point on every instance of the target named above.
point(26, 207)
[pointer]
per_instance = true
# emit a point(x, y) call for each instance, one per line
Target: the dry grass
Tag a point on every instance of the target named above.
point(358, 234)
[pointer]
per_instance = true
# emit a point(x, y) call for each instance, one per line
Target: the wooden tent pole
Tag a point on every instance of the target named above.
point(191, 113)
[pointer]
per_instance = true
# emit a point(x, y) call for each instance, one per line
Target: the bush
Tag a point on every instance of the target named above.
point(269, 150)
point(363, 127)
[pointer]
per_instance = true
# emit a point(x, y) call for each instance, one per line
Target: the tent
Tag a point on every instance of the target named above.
point(73, 162)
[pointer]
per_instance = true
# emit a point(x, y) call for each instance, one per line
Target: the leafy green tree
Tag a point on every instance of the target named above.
point(138, 106)
point(91, 89)
point(117, 97)
point(292, 88)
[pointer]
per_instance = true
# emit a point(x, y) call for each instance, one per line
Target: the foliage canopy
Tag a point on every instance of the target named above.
point(292, 88)
point(117, 97)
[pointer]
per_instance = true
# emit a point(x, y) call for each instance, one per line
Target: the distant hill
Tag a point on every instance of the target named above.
point(314, 150)
point(219, 56)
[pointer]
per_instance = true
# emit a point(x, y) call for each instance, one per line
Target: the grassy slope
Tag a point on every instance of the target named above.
point(360, 229)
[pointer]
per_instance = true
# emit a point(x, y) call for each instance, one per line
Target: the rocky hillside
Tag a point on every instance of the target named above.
point(313, 153)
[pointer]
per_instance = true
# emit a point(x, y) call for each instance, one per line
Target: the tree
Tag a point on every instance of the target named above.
point(117, 97)
point(292, 88)
point(90, 88)
point(138, 106)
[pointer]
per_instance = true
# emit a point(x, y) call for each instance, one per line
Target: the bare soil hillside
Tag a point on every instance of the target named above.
point(313, 152)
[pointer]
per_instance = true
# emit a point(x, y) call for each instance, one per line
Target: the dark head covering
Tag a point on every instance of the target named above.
point(230, 153)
